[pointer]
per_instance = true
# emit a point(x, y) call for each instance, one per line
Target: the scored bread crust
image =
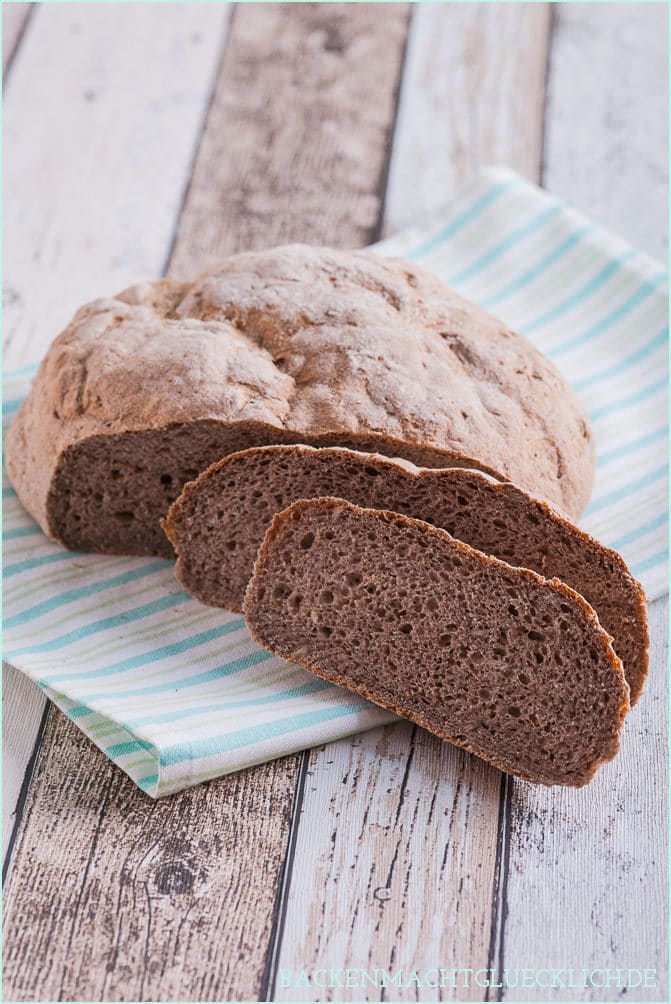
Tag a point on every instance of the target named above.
point(222, 496)
point(613, 676)
point(301, 344)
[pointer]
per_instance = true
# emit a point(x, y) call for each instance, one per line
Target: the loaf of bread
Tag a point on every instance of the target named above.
point(218, 523)
point(509, 665)
point(145, 390)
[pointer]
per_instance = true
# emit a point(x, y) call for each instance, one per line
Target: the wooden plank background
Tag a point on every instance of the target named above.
point(216, 128)
point(473, 95)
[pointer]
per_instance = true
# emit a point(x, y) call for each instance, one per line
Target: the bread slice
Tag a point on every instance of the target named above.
point(498, 660)
point(144, 390)
point(217, 525)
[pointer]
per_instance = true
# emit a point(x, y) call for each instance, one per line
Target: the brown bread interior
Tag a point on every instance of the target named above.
point(495, 659)
point(109, 493)
point(218, 523)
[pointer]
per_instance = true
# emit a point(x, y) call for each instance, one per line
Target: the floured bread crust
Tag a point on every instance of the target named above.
point(298, 344)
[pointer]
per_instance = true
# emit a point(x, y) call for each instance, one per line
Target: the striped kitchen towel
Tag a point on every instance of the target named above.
point(174, 692)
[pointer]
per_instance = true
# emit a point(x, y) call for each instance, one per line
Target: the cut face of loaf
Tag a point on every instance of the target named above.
point(512, 667)
point(144, 390)
point(219, 521)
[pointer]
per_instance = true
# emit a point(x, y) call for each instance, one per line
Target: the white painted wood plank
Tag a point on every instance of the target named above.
point(393, 866)
point(586, 882)
point(607, 117)
point(14, 17)
point(472, 95)
point(97, 153)
point(93, 187)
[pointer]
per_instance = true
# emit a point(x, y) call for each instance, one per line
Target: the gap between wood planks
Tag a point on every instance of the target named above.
point(269, 978)
point(24, 789)
point(15, 18)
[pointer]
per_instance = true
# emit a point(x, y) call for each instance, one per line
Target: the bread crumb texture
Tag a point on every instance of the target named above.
point(219, 521)
point(510, 666)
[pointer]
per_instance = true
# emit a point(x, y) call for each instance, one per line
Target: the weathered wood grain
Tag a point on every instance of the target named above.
point(112, 897)
point(607, 126)
point(91, 196)
point(176, 900)
point(585, 883)
point(473, 95)
point(295, 148)
point(393, 866)
point(14, 20)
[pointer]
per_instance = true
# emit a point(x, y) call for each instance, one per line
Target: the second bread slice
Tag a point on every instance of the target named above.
point(498, 660)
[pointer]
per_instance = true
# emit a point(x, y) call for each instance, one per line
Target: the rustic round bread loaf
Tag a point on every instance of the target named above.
point(144, 390)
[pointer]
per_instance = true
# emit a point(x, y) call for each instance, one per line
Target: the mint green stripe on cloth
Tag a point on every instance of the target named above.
point(634, 445)
point(511, 240)
point(192, 680)
point(175, 693)
point(106, 624)
point(32, 563)
point(312, 687)
point(150, 782)
point(551, 258)
point(658, 523)
point(618, 405)
point(71, 596)
point(226, 741)
point(175, 648)
point(606, 272)
point(643, 292)
point(117, 750)
point(625, 365)
point(628, 488)
point(21, 531)
point(469, 214)
point(642, 566)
